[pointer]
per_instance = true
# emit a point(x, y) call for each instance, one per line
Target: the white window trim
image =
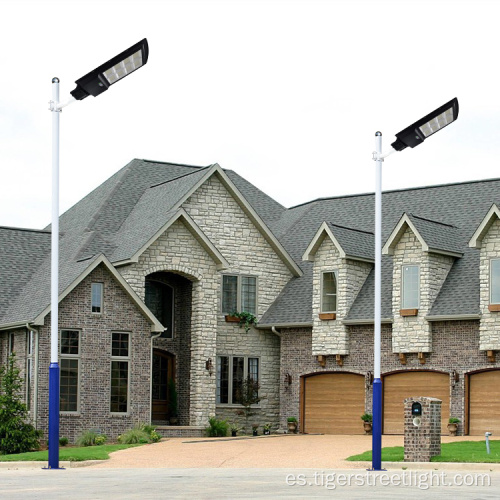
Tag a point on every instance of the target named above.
point(72, 356)
point(92, 297)
point(238, 292)
point(402, 295)
point(230, 378)
point(490, 283)
point(335, 272)
point(129, 362)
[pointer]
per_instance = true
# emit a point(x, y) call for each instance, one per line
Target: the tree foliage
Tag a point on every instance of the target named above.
point(17, 435)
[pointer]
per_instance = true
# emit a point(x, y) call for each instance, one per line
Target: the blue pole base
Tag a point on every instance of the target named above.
point(377, 426)
point(53, 416)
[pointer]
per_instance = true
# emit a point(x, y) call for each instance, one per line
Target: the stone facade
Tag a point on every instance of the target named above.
point(331, 336)
point(490, 321)
point(229, 228)
point(413, 333)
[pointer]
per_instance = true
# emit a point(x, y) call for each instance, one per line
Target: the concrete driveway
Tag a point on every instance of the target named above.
point(275, 451)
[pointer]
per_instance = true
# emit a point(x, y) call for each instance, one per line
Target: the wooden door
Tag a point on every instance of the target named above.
point(163, 370)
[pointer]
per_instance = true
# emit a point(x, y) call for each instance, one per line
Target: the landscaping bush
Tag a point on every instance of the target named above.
point(16, 434)
point(141, 433)
point(63, 441)
point(92, 437)
point(217, 428)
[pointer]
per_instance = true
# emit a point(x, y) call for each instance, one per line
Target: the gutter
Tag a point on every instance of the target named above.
point(458, 317)
point(366, 321)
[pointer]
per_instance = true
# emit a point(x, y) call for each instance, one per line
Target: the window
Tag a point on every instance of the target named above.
point(69, 370)
point(411, 287)
point(329, 292)
point(12, 337)
point(97, 297)
point(495, 281)
point(231, 372)
point(120, 349)
point(159, 298)
point(239, 293)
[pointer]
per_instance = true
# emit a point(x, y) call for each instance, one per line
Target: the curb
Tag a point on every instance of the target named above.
point(66, 464)
point(455, 466)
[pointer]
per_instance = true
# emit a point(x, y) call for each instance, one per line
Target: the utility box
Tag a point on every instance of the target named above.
point(422, 428)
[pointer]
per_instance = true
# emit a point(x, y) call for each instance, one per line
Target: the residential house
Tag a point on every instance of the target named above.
point(154, 259)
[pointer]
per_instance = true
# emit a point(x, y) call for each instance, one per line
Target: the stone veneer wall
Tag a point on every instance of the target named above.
point(229, 228)
point(331, 336)
point(179, 252)
point(413, 333)
point(233, 341)
point(455, 347)
point(490, 321)
point(119, 314)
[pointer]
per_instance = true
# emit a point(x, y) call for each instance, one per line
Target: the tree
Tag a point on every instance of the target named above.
point(17, 435)
point(247, 395)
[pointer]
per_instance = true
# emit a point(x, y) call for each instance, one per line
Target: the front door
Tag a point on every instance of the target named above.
point(163, 370)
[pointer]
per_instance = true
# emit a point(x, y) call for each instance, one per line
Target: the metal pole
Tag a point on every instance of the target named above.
point(377, 382)
point(54, 288)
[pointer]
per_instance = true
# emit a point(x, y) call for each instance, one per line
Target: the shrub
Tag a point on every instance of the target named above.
point(16, 434)
point(134, 436)
point(292, 419)
point(63, 441)
point(92, 437)
point(217, 428)
point(453, 420)
point(367, 417)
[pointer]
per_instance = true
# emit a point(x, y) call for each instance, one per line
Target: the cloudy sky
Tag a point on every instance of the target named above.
point(287, 93)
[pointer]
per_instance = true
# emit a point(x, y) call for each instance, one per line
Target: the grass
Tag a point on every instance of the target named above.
point(74, 454)
point(462, 451)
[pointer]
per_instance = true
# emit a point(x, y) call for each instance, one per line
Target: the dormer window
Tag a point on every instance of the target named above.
point(410, 296)
point(329, 292)
point(495, 281)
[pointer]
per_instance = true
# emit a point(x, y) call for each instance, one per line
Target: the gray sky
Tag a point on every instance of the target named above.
point(287, 93)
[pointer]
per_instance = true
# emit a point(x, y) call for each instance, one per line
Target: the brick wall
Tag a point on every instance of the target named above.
point(455, 347)
point(119, 314)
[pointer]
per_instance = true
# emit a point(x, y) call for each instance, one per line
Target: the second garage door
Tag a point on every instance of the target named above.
point(484, 403)
point(334, 403)
point(399, 386)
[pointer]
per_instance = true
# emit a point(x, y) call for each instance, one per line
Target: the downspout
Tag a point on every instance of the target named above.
point(273, 329)
point(34, 367)
point(151, 377)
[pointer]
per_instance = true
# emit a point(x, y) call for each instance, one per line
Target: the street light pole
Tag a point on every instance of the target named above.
point(411, 137)
point(94, 83)
point(377, 382)
point(54, 287)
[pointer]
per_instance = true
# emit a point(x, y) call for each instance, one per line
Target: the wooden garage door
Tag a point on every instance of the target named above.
point(399, 386)
point(334, 403)
point(484, 403)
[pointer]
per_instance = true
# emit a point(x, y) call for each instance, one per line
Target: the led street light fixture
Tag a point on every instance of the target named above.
point(416, 134)
point(100, 79)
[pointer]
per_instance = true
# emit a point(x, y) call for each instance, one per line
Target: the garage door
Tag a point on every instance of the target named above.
point(484, 403)
point(334, 403)
point(399, 386)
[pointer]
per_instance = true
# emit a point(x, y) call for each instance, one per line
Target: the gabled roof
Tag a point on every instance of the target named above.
point(483, 228)
point(434, 236)
point(351, 243)
point(156, 326)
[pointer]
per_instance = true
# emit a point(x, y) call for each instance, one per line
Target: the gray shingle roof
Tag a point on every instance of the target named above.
point(122, 214)
point(356, 243)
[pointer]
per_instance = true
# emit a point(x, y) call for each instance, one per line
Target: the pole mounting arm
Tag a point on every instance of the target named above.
point(380, 156)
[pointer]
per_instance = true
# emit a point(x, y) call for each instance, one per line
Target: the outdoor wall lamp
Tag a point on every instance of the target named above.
point(93, 83)
point(411, 136)
point(454, 377)
point(209, 365)
point(288, 379)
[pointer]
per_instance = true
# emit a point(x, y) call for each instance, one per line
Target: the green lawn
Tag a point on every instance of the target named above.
point(461, 451)
point(71, 454)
